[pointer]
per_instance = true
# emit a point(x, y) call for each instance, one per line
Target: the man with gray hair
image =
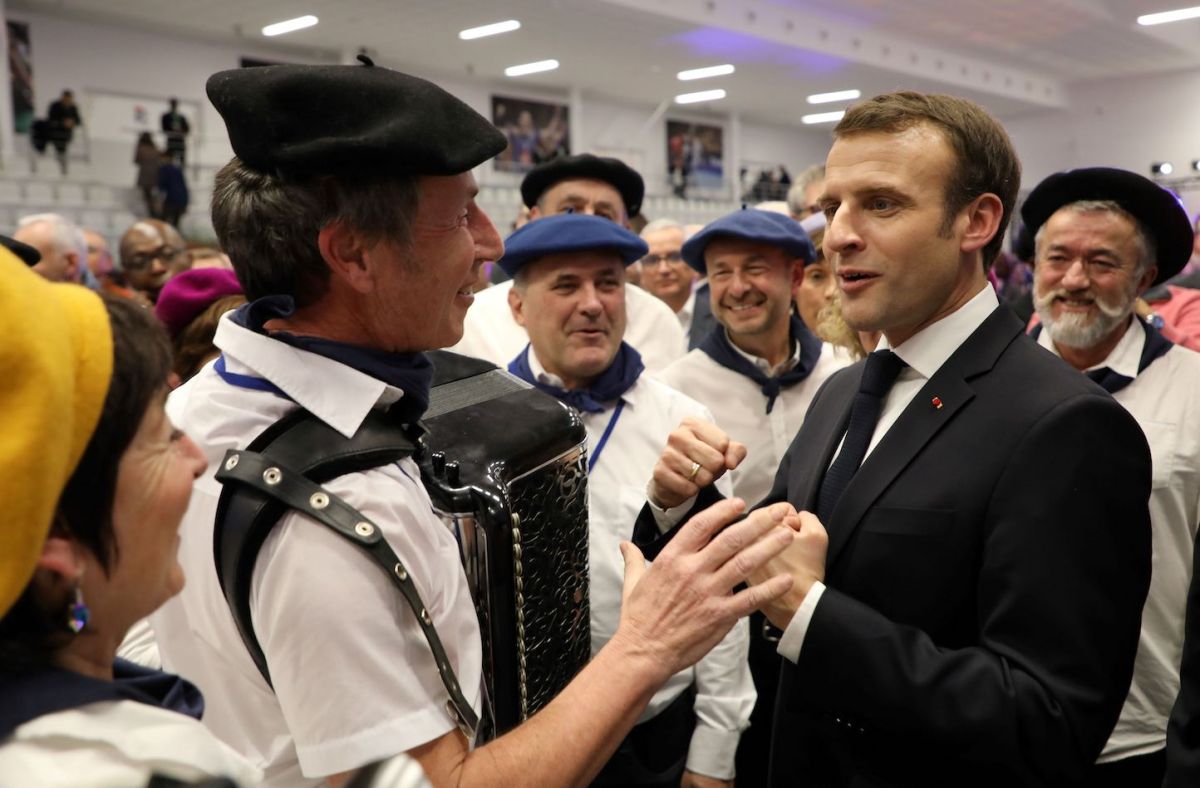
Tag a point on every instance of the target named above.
point(1102, 237)
point(665, 274)
point(61, 244)
point(802, 196)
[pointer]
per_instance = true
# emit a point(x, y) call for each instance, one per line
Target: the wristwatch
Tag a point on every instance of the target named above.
point(1155, 320)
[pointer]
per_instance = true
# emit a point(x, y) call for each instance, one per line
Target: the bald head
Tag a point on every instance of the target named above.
point(152, 252)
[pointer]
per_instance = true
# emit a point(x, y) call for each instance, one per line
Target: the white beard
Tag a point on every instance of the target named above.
point(1080, 331)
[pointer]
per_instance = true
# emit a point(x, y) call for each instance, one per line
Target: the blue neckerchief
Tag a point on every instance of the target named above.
point(28, 696)
point(721, 350)
point(620, 376)
point(412, 373)
point(1110, 380)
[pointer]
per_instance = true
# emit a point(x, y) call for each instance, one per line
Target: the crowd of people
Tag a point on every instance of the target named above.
point(871, 500)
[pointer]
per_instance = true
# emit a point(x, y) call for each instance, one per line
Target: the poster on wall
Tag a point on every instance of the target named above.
point(20, 69)
point(695, 156)
point(536, 132)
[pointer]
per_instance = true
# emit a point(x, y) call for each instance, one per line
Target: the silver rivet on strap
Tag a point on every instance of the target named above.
point(272, 476)
point(318, 500)
point(400, 572)
point(231, 463)
point(364, 529)
point(425, 616)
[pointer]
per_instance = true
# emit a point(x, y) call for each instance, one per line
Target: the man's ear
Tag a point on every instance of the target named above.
point(347, 256)
point(516, 302)
point(72, 266)
point(1147, 280)
point(984, 215)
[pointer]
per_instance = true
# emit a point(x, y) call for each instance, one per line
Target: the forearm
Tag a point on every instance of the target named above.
point(568, 742)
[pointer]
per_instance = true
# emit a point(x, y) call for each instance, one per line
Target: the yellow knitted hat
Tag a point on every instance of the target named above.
point(56, 360)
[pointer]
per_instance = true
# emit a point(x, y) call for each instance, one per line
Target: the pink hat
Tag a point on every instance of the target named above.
point(189, 293)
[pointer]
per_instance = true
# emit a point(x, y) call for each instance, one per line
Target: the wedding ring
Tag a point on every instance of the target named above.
point(695, 470)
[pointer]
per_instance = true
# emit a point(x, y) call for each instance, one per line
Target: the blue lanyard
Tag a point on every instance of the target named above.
point(246, 381)
point(612, 422)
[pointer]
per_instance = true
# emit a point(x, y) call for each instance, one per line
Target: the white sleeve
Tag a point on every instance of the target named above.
point(725, 697)
point(355, 679)
point(793, 637)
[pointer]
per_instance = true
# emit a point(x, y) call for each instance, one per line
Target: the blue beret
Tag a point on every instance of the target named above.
point(348, 120)
point(751, 224)
point(1158, 210)
point(569, 232)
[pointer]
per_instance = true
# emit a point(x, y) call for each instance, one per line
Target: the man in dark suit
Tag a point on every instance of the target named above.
point(967, 598)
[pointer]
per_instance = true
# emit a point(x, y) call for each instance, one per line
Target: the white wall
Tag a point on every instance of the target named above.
point(1127, 123)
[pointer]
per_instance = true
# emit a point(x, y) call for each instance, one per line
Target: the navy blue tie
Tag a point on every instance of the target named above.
point(880, 373)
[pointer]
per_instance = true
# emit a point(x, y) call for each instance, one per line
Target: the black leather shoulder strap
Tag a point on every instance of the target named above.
point(283, 469)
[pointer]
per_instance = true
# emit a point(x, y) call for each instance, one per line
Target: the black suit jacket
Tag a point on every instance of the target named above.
point(986, 573)
point(1183, 730)
point(703, 321)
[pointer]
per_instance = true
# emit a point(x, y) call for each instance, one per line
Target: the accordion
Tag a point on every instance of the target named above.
point(506, 468)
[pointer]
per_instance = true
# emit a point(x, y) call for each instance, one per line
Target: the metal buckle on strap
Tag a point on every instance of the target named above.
point(464, 724)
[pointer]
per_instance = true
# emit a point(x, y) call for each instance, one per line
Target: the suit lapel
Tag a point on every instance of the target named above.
point(919, 423)
point(813, 448)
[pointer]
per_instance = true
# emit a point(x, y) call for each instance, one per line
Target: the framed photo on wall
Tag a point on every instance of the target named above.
point(536, 131)
point(695, 156)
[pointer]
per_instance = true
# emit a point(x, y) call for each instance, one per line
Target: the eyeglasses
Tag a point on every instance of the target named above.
point(141, 260)
point(652, 260)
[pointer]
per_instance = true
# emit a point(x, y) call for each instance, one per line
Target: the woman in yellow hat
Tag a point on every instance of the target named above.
point(94, 481)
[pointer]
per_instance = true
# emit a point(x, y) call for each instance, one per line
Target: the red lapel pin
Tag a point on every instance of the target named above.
point(937, 403)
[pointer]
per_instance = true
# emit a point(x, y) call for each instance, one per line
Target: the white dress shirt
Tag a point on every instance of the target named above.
point(740, 409)
point(113, 743)
point(1165, 400)
point(925, 352)
point(491, 333)
point(354, 680)
point(616, 492)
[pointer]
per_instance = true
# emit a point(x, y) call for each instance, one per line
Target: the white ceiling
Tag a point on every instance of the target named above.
point(1013, 56)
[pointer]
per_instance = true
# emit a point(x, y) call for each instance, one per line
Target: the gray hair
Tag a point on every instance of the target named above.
point(795, 195)
point(658, 225)
point(268, 223)
point(1143, 240)
point(65, 234)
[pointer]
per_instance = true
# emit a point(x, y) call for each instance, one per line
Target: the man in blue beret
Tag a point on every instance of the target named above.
point(569, 294)
point(595, 185)
point(355, 234)
point(1102, 237)
point(976, 550)
point(757, 373)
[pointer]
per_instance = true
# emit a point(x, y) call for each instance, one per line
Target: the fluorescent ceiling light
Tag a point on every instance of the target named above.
point(530, 68)
point(839, 95)
point(704, 73)
point(489, 30)
point(823, 117)
point(704, 95)
point(1162, 17)
point(289, 25)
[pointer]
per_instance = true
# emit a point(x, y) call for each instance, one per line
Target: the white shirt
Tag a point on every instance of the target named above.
point(491, 333)
point(925, 352)
point(685, 313)
point(354, 678)
point(740, 409)
point(116, 743)
point(616, 492)
point(1165, 400)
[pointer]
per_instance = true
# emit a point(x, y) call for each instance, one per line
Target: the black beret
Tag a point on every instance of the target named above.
point(27, 254)
point(614, 172)
point(569, 232)
point(751, 224)
point(1158, 210)
point(333, 120)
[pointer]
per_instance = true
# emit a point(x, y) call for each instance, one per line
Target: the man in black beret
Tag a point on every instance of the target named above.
point(355, 234)
point(595, 185)
point(1102, 237)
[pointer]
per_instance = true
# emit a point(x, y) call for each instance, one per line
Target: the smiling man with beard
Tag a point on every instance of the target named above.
point(1103, 236)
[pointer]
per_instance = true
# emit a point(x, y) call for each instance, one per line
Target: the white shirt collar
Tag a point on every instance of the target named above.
point(550, 379)
point(337, 394)
point(686, 312)
point(1124, 358)
point(929, 348)
point(764, 365)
